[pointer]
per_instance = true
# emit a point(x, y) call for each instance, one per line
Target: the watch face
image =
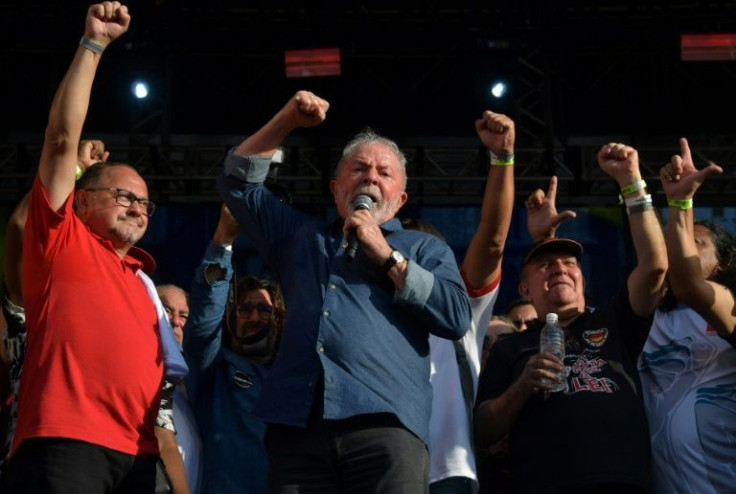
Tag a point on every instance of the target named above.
point(393, 259)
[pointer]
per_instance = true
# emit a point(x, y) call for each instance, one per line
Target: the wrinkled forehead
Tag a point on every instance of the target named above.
point(174, 298)
point(546, 258)
point(376, 152)
point(124, 177)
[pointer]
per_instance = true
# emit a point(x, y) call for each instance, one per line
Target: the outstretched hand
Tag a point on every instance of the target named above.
point(680, 178)
point(541, 213)
point(105, 22)
point(496, 132)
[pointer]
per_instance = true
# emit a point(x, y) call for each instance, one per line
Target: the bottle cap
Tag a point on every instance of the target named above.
point(551, 318)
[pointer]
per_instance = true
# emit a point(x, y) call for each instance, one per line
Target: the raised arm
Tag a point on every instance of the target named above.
point(304, 109)
point(58, 167)
point(690, 284)
point(646, 281)
point(246, 169)
point(208, 300)
point(482, 263)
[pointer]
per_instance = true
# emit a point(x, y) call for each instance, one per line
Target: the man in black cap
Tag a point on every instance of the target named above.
point(593, 436)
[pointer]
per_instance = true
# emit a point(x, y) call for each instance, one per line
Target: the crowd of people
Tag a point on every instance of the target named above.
point(373, 362)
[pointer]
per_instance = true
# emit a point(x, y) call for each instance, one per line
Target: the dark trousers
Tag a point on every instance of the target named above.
point(609, 488)
point(65, 466)
point(452, 485)
point(364, 454)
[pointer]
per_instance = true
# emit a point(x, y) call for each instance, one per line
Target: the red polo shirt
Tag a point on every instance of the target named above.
point(93, 364)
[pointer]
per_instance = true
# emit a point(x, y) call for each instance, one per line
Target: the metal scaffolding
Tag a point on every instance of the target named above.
point(450, 174)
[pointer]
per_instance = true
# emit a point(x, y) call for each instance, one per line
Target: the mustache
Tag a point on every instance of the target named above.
point(125, 217)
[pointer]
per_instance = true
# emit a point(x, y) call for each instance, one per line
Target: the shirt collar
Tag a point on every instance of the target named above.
point(146, 261)
point(135, 258)
point(392, 225)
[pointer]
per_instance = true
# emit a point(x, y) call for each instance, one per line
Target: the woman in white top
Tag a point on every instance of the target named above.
point(688, 366)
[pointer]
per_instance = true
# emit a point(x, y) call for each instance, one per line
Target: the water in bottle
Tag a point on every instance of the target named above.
point(552, 340)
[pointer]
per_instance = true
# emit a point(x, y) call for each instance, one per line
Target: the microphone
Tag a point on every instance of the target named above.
point(365, 203)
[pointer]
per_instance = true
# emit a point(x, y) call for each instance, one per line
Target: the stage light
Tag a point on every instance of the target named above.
point(498, 90)
point(140, 89)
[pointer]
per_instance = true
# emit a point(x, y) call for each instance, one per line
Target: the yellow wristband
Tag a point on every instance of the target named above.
point(630, 189)
point(680, 203)
point(506, 160)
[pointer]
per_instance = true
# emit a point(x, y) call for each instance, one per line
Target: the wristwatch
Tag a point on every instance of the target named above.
point(395, 258)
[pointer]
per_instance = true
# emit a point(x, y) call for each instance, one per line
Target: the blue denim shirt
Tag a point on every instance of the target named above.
point(345, 321)
point(223, 388)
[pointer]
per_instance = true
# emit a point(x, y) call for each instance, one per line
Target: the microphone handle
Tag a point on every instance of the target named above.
point(353, 244)
point(353, 241)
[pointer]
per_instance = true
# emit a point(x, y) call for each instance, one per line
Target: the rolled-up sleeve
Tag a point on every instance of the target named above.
point(435, 292)
point(249, 169)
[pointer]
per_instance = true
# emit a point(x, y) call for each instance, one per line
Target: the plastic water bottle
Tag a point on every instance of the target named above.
point(552, 340)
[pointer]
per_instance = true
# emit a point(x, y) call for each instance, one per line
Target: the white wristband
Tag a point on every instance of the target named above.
point(91, 45)
point(633, 201)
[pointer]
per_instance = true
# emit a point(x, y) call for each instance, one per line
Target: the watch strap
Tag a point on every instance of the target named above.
point(392, 261)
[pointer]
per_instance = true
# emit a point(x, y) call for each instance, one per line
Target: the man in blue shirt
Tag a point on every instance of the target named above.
point(229, 347)
point(347, 401)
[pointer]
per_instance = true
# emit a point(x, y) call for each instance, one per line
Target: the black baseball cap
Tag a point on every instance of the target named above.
point(565, 245)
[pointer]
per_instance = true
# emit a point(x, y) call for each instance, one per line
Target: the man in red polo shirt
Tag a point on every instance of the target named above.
point(93, 367)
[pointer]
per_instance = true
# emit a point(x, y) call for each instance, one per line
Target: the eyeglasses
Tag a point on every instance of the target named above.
point(126, 199)
point(264, 310)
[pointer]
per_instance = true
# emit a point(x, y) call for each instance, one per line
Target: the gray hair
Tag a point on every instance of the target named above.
point(367, 136)
point(174, 287)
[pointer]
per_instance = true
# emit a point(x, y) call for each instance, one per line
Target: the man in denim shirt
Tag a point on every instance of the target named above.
point(229, 347)
point(348, 399)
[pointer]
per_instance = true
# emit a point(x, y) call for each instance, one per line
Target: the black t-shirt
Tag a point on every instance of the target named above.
point(595, 432)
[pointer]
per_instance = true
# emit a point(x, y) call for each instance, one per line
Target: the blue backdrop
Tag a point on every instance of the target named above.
point(178, 236)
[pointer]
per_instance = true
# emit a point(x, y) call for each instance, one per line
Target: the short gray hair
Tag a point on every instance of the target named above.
point(174, 287)
point(367, 136)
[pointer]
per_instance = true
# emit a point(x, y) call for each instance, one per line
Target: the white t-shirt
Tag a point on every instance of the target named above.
point(688, 375)
point(450, 446)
